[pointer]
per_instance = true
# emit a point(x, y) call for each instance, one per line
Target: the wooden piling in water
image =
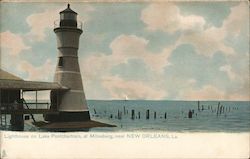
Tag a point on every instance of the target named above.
point(190, 114)
point(124, 110)
point(218, 108)
point(132, 114)
point(221, 108)
point(165, 115)
point(154, 115)
point(139, 115)
point(147, 114)
point(119, 114)
point(198, 105)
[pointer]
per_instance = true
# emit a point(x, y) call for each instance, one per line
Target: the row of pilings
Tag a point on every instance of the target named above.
point(133, 114)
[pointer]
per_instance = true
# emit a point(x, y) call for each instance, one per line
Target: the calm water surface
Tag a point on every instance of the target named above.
point(234, 118)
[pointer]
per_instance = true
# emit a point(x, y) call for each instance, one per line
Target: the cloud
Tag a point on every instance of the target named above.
point(13, 42)
point(238, 20)
point(49, 18)
point(206, 39)
point(228, 70)
point(104, 83)
point(119, 88)
point(167, 17)
point(211, 92)
point(39, 73)
point(207, 92)
point(95, 66)
point(208, 42)
point(39, 22)
point(213, 39)
point(124, 48)
point(239, 96)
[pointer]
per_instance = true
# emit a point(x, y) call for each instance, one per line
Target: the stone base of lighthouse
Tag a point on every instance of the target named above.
point(68, 116)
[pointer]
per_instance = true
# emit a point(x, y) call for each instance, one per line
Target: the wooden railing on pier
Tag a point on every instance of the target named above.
point(28, 111)
point(9, 108)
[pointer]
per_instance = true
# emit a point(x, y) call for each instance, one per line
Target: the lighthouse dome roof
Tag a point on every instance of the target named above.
point(68, 10)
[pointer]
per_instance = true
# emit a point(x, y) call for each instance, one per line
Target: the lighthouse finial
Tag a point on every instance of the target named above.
point(68, 5)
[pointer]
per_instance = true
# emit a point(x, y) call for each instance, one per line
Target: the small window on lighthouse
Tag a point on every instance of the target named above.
point(60, 63)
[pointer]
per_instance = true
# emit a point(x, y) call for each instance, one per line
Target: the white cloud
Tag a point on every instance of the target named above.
point(125, 47)
point(47, 19)
point(207, 92)
point(39, 22)
point(212, 39)
point(239, 96)
point(40, 73)
point(238, 20)
point(206, 40)
point(12, 42)
point(167, 17)
point(228, 70)
point(210, 92)
point(128, 46)
point(119, 88)
point(191, 81)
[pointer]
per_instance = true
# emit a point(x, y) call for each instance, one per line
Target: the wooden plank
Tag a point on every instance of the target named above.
point(73, 125)
point(28, 111)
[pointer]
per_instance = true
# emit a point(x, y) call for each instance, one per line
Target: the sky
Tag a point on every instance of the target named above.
point(152, 51)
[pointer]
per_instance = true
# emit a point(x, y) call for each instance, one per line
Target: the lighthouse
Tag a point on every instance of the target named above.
point(70, 104)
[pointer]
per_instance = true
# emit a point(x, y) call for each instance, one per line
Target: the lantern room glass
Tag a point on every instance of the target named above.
point(68, 16)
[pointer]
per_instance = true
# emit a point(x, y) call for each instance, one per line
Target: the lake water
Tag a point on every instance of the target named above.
point(170, 116)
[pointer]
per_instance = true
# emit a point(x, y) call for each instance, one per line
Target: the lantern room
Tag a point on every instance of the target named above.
point(68, 18)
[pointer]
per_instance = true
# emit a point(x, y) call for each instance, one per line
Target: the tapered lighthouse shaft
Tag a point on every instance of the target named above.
point(72, 105)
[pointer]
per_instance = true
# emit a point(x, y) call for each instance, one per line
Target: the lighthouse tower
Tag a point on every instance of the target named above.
point(71, 104)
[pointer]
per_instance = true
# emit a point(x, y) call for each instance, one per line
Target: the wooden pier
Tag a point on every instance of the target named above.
point(28, 111)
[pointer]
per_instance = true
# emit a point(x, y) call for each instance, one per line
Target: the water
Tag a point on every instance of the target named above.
point(235, 118)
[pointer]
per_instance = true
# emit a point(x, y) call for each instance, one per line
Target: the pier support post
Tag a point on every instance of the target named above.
point(17, 121)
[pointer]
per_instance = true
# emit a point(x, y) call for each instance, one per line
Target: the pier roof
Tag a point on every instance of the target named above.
point(8, 76)
point(10, 81)
point(30, 85)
